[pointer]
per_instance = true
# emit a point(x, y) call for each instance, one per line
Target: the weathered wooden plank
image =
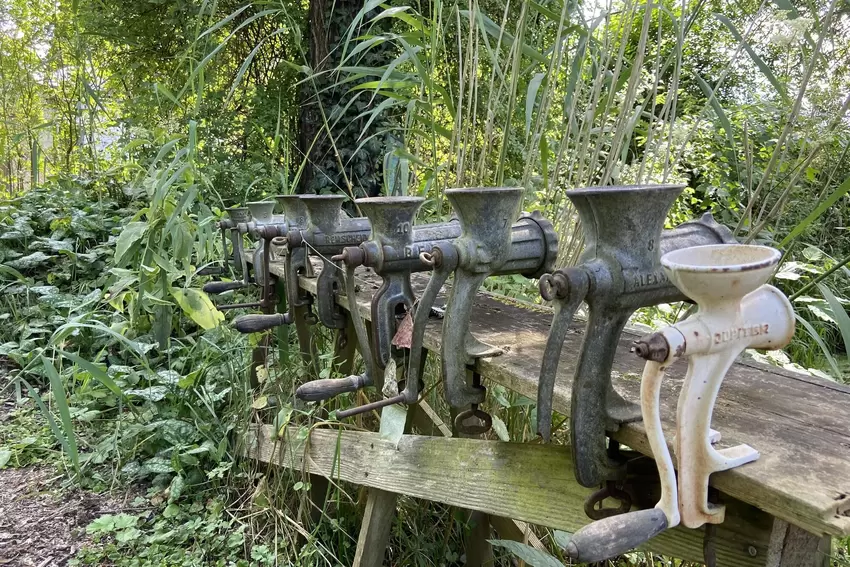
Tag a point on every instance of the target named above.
point(799, 423)
point(529, 482)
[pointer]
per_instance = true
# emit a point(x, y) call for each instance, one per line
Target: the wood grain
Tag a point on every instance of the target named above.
point(529, 482)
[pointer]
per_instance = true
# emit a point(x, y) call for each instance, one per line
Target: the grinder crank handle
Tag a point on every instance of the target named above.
point(210, 271)
point(214, 288)
point(444, 259)
point(568, 287)
point(618, 534)
point(317, 390)
point(615, 535)
point(327, 388)
point(259, 323)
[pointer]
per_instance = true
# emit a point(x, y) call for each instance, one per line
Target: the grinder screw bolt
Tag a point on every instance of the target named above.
point(652, 347)
point(554, 286)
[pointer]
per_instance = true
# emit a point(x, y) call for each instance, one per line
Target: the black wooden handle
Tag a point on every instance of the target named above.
point(615, 535)
point(210, 271)
point(221, 287)
point(318, 390)
point(258, 323)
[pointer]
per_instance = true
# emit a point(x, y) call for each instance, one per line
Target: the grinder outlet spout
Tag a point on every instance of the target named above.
point(737, 310)
point(618, 272)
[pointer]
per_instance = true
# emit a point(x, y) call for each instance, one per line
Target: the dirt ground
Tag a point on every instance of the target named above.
point(42, 525)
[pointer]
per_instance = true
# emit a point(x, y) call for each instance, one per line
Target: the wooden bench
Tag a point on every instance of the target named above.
point(781, 510)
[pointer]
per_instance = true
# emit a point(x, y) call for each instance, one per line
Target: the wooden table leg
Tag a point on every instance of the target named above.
point(791, 546)
point(305, 339)
point(380, 505)
point(479, 552)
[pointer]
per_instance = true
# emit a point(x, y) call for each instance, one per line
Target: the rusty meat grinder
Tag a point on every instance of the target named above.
point(393, 251)
point(273, 237)
point(489, 243)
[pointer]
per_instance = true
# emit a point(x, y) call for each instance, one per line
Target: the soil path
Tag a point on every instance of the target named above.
point(41, 524)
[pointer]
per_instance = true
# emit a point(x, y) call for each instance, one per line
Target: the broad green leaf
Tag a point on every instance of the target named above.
point(197, 305)
point(718, 110)
point(157, 465)
point(129, 236)
point(96, 371)
point(839, 314)
point(61, 400)
point(507, 39)
point(393, 419)
point(29, 262)
point(5, 456)
point(500, 429)
point(833, 364)
point(531, 98)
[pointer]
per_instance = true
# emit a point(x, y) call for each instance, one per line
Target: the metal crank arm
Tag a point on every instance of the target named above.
point(568, 287)
point(444, 259)
point(324, 389)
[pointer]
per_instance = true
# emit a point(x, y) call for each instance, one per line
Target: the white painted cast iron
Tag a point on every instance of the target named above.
point(737, 310)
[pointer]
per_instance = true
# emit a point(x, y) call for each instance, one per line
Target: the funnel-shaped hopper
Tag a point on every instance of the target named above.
point(486, 215)
point(712, 275)
point(323, 211)
point(294, 210)
point(239, 214)
point(391, 218)
point(262, 211)
point(617, 221)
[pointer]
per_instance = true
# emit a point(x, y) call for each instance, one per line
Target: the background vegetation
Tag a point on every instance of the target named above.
point(128, 126)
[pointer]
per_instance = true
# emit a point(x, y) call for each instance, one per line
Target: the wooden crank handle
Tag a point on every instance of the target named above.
point(210, 271)
point(220, 287)
point(615, 535)
point(318, 390)
point(259, 323)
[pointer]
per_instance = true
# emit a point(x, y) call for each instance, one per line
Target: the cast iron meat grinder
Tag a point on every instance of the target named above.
point(618, 272)
point(295, 263)
point(393, 251)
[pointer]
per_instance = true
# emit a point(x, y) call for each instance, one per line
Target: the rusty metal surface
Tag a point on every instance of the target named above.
point(328, 231)
point(618, 272)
